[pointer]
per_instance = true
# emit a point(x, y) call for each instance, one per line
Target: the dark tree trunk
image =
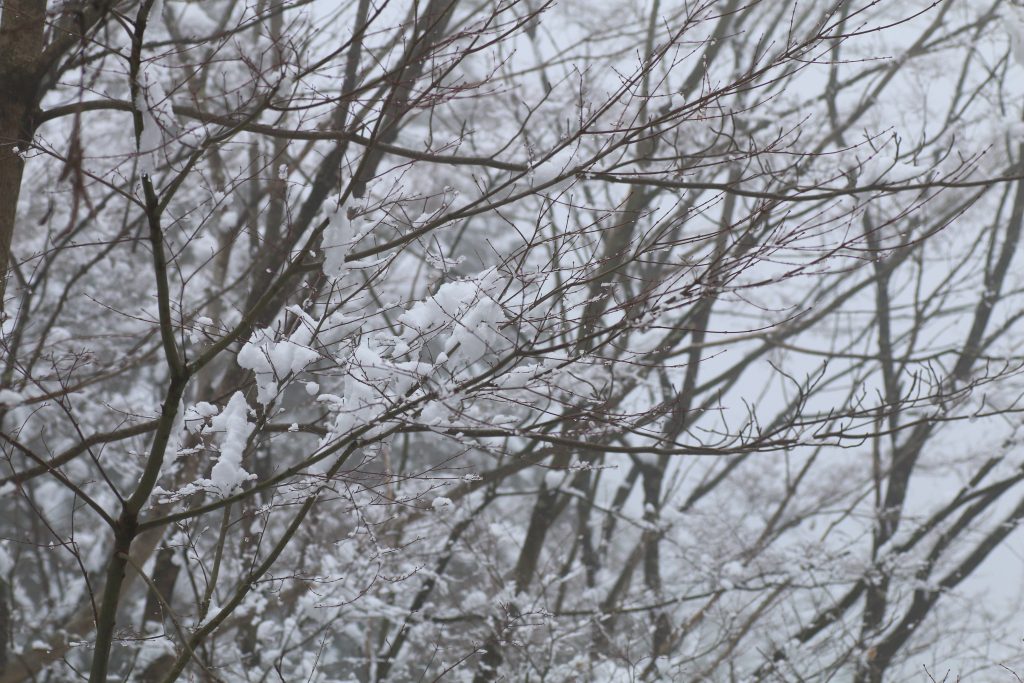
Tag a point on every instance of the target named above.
point(21, 45)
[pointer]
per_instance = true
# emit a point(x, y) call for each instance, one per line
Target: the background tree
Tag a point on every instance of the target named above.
point(509, 340)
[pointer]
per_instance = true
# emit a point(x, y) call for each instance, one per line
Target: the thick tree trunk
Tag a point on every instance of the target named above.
point(21, 45)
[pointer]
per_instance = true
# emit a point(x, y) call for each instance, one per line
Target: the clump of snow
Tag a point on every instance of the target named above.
point(519, 376)
point(439, 310)
point(365, 389)
point(468, 308)
point(409, 373)
point(451, 300)
point(477, 334)
point(287, 356)
point(561, 163)
point(151, 138)
point(338, 327)
point(733, 569)
point(272, 360)
point(442, 504)
point(151, 101)
point(197, 415)
point(435, 414)
point(7, 564)
point(372, 385)
point(233, 423)
point(338, 238)
point(9, 398)
point(199, 326)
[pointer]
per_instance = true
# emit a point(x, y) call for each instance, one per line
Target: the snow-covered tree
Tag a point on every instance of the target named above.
point(398, 340)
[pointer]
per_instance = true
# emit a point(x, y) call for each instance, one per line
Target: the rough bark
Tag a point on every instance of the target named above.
point(21, 46)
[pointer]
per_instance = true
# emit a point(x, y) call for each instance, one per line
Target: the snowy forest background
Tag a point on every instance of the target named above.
point(518, 340)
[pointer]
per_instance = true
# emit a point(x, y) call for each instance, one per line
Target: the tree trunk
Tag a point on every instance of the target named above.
point(21, 44)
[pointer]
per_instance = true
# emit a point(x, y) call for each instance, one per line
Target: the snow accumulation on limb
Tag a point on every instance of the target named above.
point(233, 423)
point(273, 361)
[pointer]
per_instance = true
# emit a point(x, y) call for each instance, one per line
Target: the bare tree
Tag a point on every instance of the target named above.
point(512, 340)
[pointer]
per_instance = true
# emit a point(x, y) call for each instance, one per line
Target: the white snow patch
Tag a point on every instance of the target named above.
point(197, 415)
point(562, 163)
point(9, 398)
point(233, 423)
point(442, 504)
point(273, 361)
point(338, 239)
point(7, 563)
